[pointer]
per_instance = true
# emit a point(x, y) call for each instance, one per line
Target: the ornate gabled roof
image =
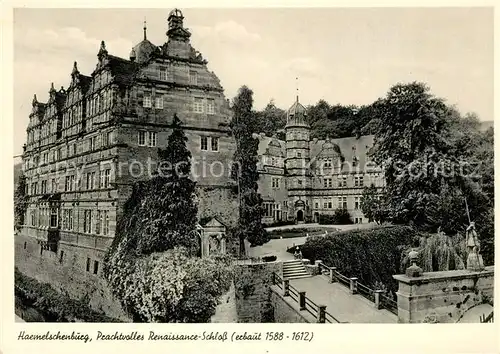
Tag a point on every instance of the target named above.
point(143, 51)
point(123, 70)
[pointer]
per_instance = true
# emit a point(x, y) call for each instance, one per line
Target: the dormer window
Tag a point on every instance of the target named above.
point(193, 77)
point(163, 74)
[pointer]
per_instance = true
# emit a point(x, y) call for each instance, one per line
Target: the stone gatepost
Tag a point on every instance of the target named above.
point(377, 294)
point(353, 285)
point(440, 296)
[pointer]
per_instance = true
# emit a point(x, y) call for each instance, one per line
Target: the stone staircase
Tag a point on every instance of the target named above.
point(294, 270)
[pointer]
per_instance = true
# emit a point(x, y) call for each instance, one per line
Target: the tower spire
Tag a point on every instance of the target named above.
point(297, 87)
point(145, 28)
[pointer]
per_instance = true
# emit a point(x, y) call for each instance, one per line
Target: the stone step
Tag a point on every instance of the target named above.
point(294, 266)
point(298, 276)
point(294, 271)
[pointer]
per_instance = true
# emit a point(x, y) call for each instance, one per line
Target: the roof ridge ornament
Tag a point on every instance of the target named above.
point(102, 50)
point(145, 29)
point(35, 101)
point(75, 69)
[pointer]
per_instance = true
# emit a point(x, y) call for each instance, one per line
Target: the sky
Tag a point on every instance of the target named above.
point(341, 55)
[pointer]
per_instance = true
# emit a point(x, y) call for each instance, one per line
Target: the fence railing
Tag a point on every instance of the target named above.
point(378, 297)
point(305, 304)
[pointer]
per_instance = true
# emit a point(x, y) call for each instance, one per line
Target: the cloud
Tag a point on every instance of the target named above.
point(305, 66)
point(227, 31)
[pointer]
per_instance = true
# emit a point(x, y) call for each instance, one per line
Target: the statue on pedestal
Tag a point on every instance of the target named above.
point(474, 259)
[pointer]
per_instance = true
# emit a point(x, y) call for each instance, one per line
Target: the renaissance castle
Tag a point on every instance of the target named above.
point(89, 143)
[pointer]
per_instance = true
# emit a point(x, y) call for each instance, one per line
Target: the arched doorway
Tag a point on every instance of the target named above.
point(300, 216)
point(316, 217)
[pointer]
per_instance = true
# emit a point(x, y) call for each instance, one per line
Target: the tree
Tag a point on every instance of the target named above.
point(161, 212)
point(426, 150)
point(270, 120)
point(410, 145)
point(20, 202)
point(342, 217)
point(245, 172)
point(370, 202)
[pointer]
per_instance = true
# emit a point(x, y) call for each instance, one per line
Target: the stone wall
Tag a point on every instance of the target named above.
point(286, 310)
point(253, 291)
point(68, 275)
point(226, 310)
point(442, 296)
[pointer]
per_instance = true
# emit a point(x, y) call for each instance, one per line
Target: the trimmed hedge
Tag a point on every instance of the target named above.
point(372, 255)
point(341, 217)
point(52, 305)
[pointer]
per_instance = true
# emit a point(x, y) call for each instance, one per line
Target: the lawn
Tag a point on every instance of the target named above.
point(300, 232)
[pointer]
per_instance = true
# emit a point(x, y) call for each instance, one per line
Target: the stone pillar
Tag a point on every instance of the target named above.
point(321, 313)
point(302, 300)
point(353, 285)
point(377, 294)
point(305, 261)
point(286, 287)
point(332, 274)
point(223, 245)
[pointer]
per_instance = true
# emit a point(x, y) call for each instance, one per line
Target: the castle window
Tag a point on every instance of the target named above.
point(159, 102)
point(90, 180)
point(327, 182)
point(44, 187)
point(141, 138)
point(53, 217)
point(105, 178)
point(325, 205)
point(193, 77)
point(146, 102)
point(356, 203)
point(329, 205)
point(275, 182)
point(88, 264)
point(215, 144)
point(204, 143)
point(163, 74)
point(299, 181)
point(316, 205)
point(343, 181)
point(152, 139)
point(355, 161)
point(87, 221)
point(342, 202)
point(210, 106)
point(105, 222)
point(96, 267)
point(98, 222)
point(61, 257)
point(299, 154)
point(198, 105)
point(24, 244)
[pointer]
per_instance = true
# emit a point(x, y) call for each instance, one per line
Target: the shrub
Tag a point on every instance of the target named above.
point(341, 217)
point(371, 255)
point(170, 286)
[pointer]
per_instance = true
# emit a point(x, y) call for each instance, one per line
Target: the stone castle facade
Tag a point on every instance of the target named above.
point(303, 178)
point(91, 141)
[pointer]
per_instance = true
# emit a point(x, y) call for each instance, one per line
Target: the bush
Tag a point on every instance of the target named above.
point(52, 305)
point(170, 286)
point(341, 217)
point(371, 255)
point(281, 223)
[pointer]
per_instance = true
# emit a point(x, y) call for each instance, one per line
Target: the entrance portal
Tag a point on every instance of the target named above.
point(300, 216)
